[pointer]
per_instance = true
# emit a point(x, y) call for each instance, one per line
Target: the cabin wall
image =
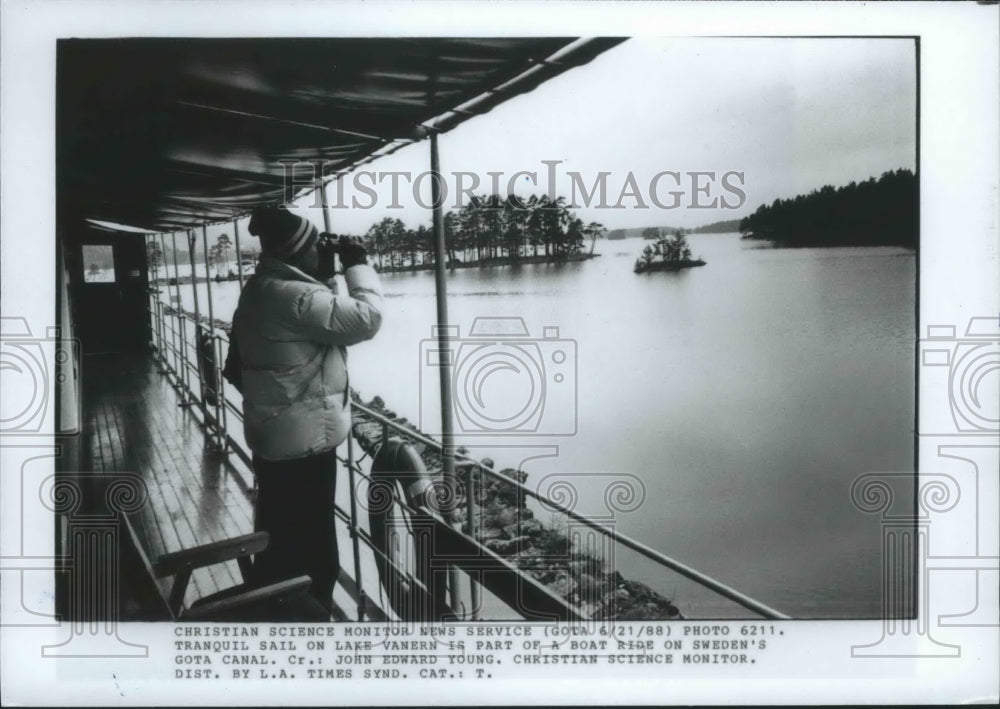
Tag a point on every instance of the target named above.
point(108, 290)
point(101, 309)
point(67, 363)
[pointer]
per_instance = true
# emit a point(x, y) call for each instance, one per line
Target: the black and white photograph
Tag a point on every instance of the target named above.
point(489, 352)
point(601, 325)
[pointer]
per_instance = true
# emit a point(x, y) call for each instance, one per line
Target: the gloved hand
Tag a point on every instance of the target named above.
point(352, 251)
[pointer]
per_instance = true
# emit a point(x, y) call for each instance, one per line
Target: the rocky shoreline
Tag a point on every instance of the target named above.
point(509, 528)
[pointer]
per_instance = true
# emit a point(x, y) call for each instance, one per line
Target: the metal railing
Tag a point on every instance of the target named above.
point(172, 345)
point(617, 537)
point(174, 341)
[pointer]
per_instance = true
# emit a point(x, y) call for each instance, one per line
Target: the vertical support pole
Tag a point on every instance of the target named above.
point(208, 275)
point(197, 322)
point(444, 345)
point(151, 295)
point(471, 503)
point(182, 370)
point(239, 252)
point(154, 331)
point(351, 475)
point(161, 334)
point(472, 494)
point(188, 397)
point(163, 329)
point(355, 547)
point(161, 366)
point(166, 275)
point(321, 188)
point(220, 357)
point(216, 377)
point(161, 281)
point(232, 334)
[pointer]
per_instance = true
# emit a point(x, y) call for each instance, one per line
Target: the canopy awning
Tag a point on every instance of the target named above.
point(167, 134)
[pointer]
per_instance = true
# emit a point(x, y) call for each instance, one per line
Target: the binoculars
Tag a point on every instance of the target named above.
point(328, 242)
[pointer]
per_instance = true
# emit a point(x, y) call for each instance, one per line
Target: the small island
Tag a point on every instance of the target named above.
point(667, 253)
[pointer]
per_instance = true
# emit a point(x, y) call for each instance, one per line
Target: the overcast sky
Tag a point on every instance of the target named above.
point(790, 114)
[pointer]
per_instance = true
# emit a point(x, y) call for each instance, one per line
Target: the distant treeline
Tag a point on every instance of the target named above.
point(645, 232)
point(727, 226)
point(870, 213)
point(490, 229)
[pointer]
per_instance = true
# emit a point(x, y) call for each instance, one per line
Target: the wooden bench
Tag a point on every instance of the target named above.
point(285, 601)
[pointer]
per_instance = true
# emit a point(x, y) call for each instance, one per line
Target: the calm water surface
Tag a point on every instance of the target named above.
point(744, 396)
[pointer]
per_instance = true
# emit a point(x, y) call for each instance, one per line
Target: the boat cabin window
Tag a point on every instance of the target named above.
point(98, 263)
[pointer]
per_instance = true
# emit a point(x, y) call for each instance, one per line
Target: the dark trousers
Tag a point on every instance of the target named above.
point(295, 507)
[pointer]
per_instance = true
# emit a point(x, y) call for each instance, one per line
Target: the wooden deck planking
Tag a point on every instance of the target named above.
point(212, 522)
point(92, 450)
point(103, 441)
point(113, 439)
point(207, 525)
point(134, 424)
point(161, 537)
point(174, 516)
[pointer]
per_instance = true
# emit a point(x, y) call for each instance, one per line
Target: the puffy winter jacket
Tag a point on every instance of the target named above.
point(292, 332)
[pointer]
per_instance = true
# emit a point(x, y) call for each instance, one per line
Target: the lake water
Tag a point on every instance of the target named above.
point(744, 396)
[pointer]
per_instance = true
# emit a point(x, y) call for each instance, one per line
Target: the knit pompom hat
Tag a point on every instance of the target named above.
point(282, 233)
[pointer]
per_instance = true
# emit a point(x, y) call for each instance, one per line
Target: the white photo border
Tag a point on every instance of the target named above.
point(949, 655)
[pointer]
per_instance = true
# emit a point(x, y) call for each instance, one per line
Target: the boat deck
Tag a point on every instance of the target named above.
point(135, 421)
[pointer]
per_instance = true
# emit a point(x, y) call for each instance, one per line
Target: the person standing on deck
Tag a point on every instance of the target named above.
point(288, 357)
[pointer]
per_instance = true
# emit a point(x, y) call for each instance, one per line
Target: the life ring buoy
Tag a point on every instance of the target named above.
point(404, 538)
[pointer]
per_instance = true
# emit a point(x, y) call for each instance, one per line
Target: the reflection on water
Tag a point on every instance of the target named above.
point(746, 396)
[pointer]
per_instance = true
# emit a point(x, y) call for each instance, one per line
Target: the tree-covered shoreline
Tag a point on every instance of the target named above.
point(881, 212)
point(489, 230)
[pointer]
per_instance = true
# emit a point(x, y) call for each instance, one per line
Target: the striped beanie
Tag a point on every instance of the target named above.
point(282, 233)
